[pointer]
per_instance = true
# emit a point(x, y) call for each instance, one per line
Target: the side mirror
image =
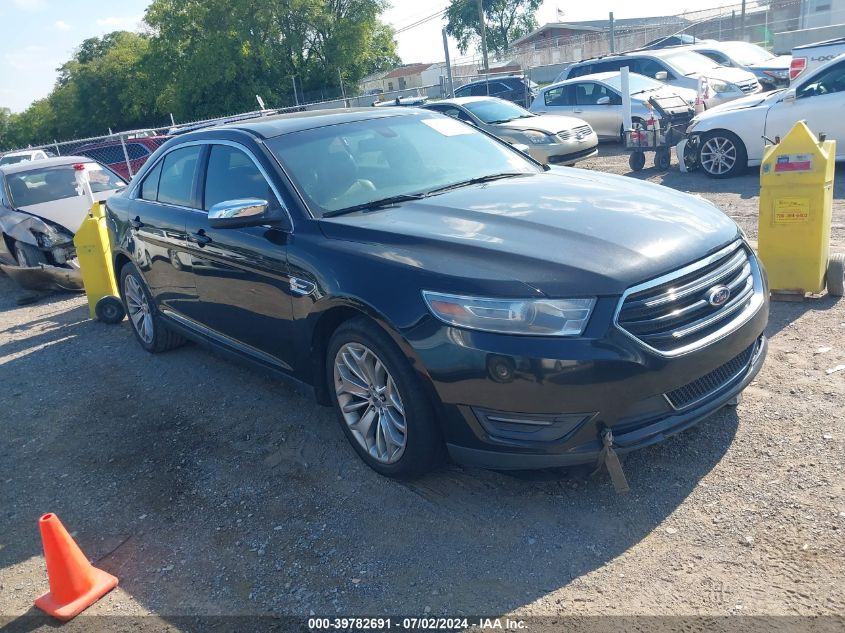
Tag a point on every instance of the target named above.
point(789, 96)
point(661, 75)
point(235, 214)
point(603, 100)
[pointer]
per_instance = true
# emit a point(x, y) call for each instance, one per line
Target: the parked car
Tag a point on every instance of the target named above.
point(110, 153)
point(598, 100)
point(23, 156)
point(680, 39)
point(677, 67)
point(441, 290)
point(808, 57)
point(551, 139)
point(730, 138)
point(517, 89)
point(41, 208)
point(772, 71)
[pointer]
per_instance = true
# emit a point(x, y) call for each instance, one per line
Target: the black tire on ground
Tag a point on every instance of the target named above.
point(424, 448)
point(161, 338)
point(28, 255)
point(662, 160)
point(730, 145)
point(110, 310)
point(836, 275)
point(636, 161)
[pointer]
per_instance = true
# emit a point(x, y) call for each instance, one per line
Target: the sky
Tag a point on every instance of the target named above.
point(40, 35)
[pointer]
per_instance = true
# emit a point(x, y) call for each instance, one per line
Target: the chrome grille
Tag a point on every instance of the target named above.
point(675, 311)
point(750, 86)
point(719, 378)
point(581, 130)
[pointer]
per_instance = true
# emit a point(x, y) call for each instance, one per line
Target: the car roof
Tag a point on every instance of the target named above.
point(22, 152)
point(466, 100)
point(276, 125)
point(603, 76)
point(56, 161)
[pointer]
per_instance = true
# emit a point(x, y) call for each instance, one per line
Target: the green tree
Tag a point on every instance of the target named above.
point(505, 21)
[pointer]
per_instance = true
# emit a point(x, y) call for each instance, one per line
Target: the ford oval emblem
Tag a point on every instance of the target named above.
point(718, 296)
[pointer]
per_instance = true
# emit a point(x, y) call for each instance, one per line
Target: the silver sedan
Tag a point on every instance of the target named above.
point(598, 100)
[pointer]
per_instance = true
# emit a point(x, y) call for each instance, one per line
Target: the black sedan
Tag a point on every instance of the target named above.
point(441, 290)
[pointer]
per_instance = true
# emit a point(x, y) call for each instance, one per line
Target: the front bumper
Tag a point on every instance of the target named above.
point(567, 153)
point(510, 402)
point(45, 277)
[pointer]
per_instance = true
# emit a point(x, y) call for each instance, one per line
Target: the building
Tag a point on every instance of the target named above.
point(406, 76)
point(815, 13)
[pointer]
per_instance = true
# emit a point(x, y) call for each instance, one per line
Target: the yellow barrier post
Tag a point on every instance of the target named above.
point(94, 253)
point(796, 201)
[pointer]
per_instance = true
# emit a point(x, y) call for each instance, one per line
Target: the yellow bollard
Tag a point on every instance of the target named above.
point(94, 253)
point(796, 201)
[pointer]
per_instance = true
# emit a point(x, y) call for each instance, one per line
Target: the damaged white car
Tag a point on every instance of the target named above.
point(42, 205)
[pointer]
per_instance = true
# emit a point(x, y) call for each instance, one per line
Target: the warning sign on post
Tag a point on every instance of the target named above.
point(794, 162)
point(792, 210)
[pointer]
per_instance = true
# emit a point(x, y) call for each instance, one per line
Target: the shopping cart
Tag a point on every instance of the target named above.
point(672, 116)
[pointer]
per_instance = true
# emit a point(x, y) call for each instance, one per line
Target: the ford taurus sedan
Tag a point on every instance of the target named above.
point(441, 290)
point(551, 138)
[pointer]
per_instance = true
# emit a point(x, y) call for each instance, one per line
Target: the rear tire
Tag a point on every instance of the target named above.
point(28, 256)
point(721, 154)
point(836, 275)
point(379, 402)
point(636, 161)
point(148, 325)
point(662, 160)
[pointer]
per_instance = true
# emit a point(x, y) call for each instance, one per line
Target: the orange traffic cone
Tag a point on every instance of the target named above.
point(75, 584)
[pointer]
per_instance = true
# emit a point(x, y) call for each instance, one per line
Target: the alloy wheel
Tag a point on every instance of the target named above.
point(139, 309)
point(370, 402)
point(718, 155)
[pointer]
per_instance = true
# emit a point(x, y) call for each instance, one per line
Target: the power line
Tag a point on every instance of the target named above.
point(434, 16)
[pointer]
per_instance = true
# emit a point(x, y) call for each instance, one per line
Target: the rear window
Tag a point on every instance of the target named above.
point(12, 160)
point(37, 186)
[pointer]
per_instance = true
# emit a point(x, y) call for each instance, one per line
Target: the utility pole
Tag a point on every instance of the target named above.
point(450, 90)
point(612, 35)
point(342, 89)
point(295, 98)
point(742, 21)
point(483, 36)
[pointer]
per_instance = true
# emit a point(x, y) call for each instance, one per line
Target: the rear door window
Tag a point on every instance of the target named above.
point(178, 177)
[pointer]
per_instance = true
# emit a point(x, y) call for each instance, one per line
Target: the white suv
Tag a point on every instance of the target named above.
point(23, 156)
point(678, 67)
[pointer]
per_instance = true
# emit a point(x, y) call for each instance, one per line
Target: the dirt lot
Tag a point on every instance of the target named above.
point(210, 489)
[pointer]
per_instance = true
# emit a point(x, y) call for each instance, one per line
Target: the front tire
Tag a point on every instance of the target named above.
point(147, 324)
point(722, 154)
point(380, 403)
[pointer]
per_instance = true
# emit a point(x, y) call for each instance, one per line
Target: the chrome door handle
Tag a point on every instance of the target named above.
point(201, 238)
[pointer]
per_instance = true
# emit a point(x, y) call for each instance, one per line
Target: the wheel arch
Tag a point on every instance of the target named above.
point(330, 318)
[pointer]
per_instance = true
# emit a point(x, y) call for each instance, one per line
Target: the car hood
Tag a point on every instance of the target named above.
point(564, 232)
point(781, 62)
point(67, 212)
point(743, 103)
point(687, 94)
point(723, 73)
point(549, 123)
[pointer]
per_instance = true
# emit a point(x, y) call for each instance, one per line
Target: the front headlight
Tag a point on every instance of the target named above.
point(538, 138)
point(537, 317)
point(720, 86)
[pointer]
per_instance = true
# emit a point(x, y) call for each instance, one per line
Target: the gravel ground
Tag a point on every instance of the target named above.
point(210, 489)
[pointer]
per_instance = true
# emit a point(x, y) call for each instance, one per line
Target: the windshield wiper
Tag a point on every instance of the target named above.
point(479, 180)
point(375, 204)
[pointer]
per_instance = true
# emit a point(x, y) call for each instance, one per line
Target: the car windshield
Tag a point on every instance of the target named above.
point(11, 160)
point(337, 167)
point(746, 53)
point(689, 62)
point(496, 110)
point(636, 83)
point(46, 184)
